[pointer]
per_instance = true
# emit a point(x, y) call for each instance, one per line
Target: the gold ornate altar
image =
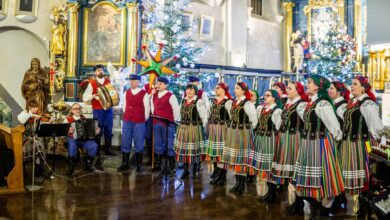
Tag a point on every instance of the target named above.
point(305, 11)
point(378, 65)
point(107, 33)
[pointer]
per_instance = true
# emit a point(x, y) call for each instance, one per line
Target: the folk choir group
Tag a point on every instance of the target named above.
point(313, 141)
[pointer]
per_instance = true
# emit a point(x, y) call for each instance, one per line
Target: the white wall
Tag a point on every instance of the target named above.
point(378, 26)
point(240, 37)
point(265, 37)
point(216, 52)
point(19, 42)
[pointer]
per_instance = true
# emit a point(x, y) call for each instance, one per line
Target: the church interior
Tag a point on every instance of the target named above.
point(194, 109)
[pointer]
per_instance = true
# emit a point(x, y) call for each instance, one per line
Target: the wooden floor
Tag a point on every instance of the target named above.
point(111, 195)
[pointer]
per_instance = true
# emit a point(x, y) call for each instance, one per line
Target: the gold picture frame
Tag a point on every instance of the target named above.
point(26, 7)
point(104, 37)
point(206, 28)
point(3, 7)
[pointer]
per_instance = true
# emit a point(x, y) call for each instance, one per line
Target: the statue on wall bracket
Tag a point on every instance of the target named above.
point(58, 51)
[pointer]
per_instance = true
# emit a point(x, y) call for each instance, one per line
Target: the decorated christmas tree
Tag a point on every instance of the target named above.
point(332, 49)
point(172, 29)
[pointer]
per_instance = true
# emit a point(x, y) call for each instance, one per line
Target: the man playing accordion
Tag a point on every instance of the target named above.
point(75, 140)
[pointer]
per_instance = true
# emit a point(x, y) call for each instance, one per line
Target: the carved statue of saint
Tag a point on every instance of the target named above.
point(58, 30)
point(58, 43)
point(297, 52)
point(35, 85)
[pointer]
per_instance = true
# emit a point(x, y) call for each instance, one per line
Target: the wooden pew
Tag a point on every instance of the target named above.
point(14, 140)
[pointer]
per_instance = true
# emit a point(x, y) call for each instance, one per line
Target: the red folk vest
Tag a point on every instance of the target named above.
point(70, 119)
point(95, 84)
point(135, 109)
point(162, 107)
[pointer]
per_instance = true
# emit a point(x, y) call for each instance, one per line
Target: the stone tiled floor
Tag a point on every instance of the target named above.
point(111, 195)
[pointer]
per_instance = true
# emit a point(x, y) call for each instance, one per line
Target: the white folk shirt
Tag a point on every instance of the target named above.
point(87, 96)
point(370, 112)
point(300, 108)
point(324, 110)
point(200, 107)
point(342, 108)
point(249, 109)
point(276, 115)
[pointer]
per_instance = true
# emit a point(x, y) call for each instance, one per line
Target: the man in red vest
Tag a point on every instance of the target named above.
point(136, 109)
point(164, 105)
point(104, 117)
point(90, 146)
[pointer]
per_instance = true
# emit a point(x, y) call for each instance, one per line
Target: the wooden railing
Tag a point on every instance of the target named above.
point(14, 141)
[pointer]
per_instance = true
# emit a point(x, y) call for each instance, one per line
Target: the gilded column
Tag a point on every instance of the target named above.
point(287, 35)
point(358, 31)
point(387, 65)
point(132, 22)
point(72, 39)
point(340, 9)
point(383, 70)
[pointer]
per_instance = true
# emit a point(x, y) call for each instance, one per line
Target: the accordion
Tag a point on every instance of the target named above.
point(85, 129)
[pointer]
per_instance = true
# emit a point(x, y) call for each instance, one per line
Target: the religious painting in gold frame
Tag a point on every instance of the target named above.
point(316, 7)
point(104, 34)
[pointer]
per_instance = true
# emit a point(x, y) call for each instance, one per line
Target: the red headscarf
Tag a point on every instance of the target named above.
point(342, 89)
point(281, 86)
point(301, 91)
point(246, 90)
point(225, 87)
point(367, 87)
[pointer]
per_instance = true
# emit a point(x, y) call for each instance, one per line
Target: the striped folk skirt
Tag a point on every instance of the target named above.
point(215, 142)
point(188, 143)
point(235, 154)
point(285, 157)
point(262, 156)
point(317, 170)
point(354, 165)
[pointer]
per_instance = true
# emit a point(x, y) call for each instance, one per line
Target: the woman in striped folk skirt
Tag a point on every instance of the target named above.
point(255, 99)
point(361, 123)
point(340, 96)
point(317, 171)
point(189, 138)
point(266, 138)
point(239, 141)
point(290, 135)
point(217, 127)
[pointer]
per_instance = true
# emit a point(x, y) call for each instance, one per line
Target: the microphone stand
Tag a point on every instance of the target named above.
point(166, 173)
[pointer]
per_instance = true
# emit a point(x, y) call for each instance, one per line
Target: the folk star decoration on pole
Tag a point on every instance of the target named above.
point(154, 65)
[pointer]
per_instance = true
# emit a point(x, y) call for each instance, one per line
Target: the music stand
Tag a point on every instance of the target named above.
point(53, 131)
point(166, 170)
